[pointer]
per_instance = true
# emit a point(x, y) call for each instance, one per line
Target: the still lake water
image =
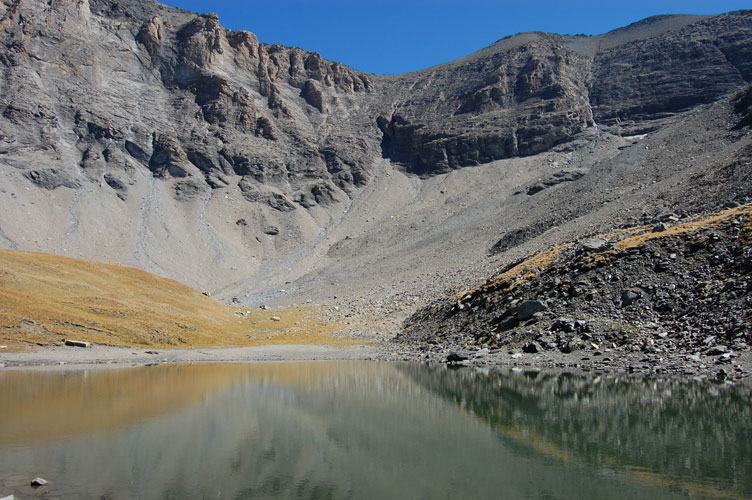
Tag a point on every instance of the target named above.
point(364, 430)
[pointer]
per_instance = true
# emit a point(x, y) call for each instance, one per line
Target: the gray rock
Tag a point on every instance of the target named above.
point(566, 325)
point(453, 357)
point(77, 343)
point(314, 96)
point(37, 482)
point(717, 350)
point(645, 95)
point(596, 245)
point(557, 178)
point(52, 178)
point(630, 296)
point(114, 182)
point(567, 348)
point(529, 308)
point(187, 190)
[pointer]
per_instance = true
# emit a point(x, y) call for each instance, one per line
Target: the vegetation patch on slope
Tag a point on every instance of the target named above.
point(46, 299)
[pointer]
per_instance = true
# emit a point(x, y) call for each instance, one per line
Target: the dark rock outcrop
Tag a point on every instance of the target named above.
point(680, 289)
point(51, 179)
point(644, 80)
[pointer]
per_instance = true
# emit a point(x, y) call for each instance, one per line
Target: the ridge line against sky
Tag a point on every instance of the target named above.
point(393, 37)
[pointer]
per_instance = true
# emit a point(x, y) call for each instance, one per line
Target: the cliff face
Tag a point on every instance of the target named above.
point(144, 134)
point(641, 81)
point(108, 88)
point(526, 96)
point(527, 93)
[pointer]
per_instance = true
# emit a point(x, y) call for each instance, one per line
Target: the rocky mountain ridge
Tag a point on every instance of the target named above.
point(137, 133)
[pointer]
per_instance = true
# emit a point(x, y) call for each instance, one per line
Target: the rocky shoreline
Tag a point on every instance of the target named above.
point(675, 364)
point(673, 297)
point(707, 367)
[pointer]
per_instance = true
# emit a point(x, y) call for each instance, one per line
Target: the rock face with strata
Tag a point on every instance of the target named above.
point(521, 99)
point(171, 128)
point(641, 81)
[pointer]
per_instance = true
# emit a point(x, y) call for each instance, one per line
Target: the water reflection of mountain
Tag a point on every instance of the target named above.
point(38, 406)
point(339, 430)
point(287, 430)
point(667, 431)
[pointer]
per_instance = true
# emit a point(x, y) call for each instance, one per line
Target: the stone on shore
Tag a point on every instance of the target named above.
point(77, 343)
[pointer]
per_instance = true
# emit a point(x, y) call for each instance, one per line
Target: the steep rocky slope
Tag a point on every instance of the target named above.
point(135, 133)
point(673, 291)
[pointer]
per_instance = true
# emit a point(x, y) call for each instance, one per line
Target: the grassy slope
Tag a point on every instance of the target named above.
point(45, 299)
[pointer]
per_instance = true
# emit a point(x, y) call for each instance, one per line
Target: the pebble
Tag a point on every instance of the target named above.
point(37, 482)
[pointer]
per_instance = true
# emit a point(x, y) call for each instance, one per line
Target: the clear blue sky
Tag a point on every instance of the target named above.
point(392, 36)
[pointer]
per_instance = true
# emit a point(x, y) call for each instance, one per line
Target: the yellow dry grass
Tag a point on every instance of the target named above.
point(528, 269)
point(45, 299)
point(638, 236)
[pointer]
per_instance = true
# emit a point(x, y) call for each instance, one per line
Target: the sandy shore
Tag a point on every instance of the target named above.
point(103, 355)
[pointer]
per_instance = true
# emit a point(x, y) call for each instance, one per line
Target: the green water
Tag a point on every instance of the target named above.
point(360, 430)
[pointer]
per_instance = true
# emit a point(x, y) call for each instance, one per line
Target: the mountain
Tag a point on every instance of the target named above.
point(136, 133)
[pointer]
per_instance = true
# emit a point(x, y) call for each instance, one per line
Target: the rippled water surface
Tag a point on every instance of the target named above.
point(361, 430)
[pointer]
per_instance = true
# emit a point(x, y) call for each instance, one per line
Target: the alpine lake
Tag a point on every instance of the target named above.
point(369, 430)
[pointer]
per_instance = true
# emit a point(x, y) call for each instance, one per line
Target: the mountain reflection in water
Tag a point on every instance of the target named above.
point(368, 430)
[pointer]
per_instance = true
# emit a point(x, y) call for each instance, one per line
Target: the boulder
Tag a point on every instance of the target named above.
point(628, 297)
point(717, 350)
point(453, 357)
point(595, 245)
point(531, 348)
point(528, 309)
